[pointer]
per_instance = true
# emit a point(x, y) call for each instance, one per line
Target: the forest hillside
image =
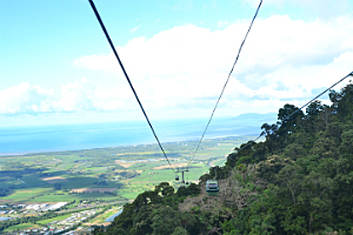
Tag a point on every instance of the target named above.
point(299, 180)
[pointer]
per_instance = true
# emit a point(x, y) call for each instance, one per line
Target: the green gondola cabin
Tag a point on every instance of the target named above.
point(212, 186)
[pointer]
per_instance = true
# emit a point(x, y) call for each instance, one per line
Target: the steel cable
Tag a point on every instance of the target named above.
point(226, 83)
point(299, 109)
point(129, 81)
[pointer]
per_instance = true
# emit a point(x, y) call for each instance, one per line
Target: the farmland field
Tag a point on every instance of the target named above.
point(105, 174)
point(94, 184)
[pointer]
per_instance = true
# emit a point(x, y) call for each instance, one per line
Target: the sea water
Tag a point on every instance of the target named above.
point(20, 140)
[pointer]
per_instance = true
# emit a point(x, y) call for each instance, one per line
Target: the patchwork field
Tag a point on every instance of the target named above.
point(104, 174)
point(97, 181)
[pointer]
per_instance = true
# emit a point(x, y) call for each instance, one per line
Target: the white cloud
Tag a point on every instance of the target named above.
point(222, 23)
point(284, 59)
point(134, 29)
point(76, 96)
point(24, 98)
point(180, 71)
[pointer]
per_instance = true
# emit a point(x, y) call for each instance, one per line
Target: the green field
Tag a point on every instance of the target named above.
point(101, 180)
point(29, 194)
point(101, 218)
point(21, 227)
point(104, 174)
point(48, 221)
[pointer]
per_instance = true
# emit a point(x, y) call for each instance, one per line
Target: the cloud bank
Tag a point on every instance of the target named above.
point(179, 72)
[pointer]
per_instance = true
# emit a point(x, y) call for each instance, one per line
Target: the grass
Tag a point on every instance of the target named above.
point(97, 168)
point(20, 227)
point(56, 197)
point(68, 197)
point(58, 218)
point(101, 218)
point(22, 195)
point(132, 189)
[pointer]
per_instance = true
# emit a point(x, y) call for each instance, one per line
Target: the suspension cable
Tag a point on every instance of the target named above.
point(226, 83)
point(129, 81)
point(323, 92)
point(300, 109)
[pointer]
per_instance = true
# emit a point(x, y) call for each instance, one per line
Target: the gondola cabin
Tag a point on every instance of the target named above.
point(212, 186)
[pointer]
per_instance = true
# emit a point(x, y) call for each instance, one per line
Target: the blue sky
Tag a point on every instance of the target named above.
point(56, 66)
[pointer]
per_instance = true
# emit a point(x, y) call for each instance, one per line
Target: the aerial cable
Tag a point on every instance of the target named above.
point(129, 81)
point(226, 83)
point(300, 109)
point(323, 92)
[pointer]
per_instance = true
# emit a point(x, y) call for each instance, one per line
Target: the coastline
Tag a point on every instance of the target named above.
point(19, 141)
point(30, 153)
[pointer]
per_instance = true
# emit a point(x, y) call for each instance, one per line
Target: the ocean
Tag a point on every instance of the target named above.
point(34, 139)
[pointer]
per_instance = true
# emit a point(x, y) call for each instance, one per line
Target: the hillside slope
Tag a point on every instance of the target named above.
point(298, 181)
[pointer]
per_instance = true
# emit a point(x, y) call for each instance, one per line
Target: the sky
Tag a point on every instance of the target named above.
point(56, 66)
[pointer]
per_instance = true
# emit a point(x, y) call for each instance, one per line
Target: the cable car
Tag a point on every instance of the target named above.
point(212, 186)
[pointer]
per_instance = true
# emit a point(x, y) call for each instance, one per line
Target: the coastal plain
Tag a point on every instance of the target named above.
point(97, 180)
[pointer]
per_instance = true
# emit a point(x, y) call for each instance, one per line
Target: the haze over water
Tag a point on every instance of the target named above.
point(19, 140)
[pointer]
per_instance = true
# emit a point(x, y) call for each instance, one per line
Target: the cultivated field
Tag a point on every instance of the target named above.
point(101, 180)
point(105, 174)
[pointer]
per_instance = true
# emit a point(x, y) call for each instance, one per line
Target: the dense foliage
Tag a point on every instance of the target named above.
point(303, 181)
point(157, 212)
